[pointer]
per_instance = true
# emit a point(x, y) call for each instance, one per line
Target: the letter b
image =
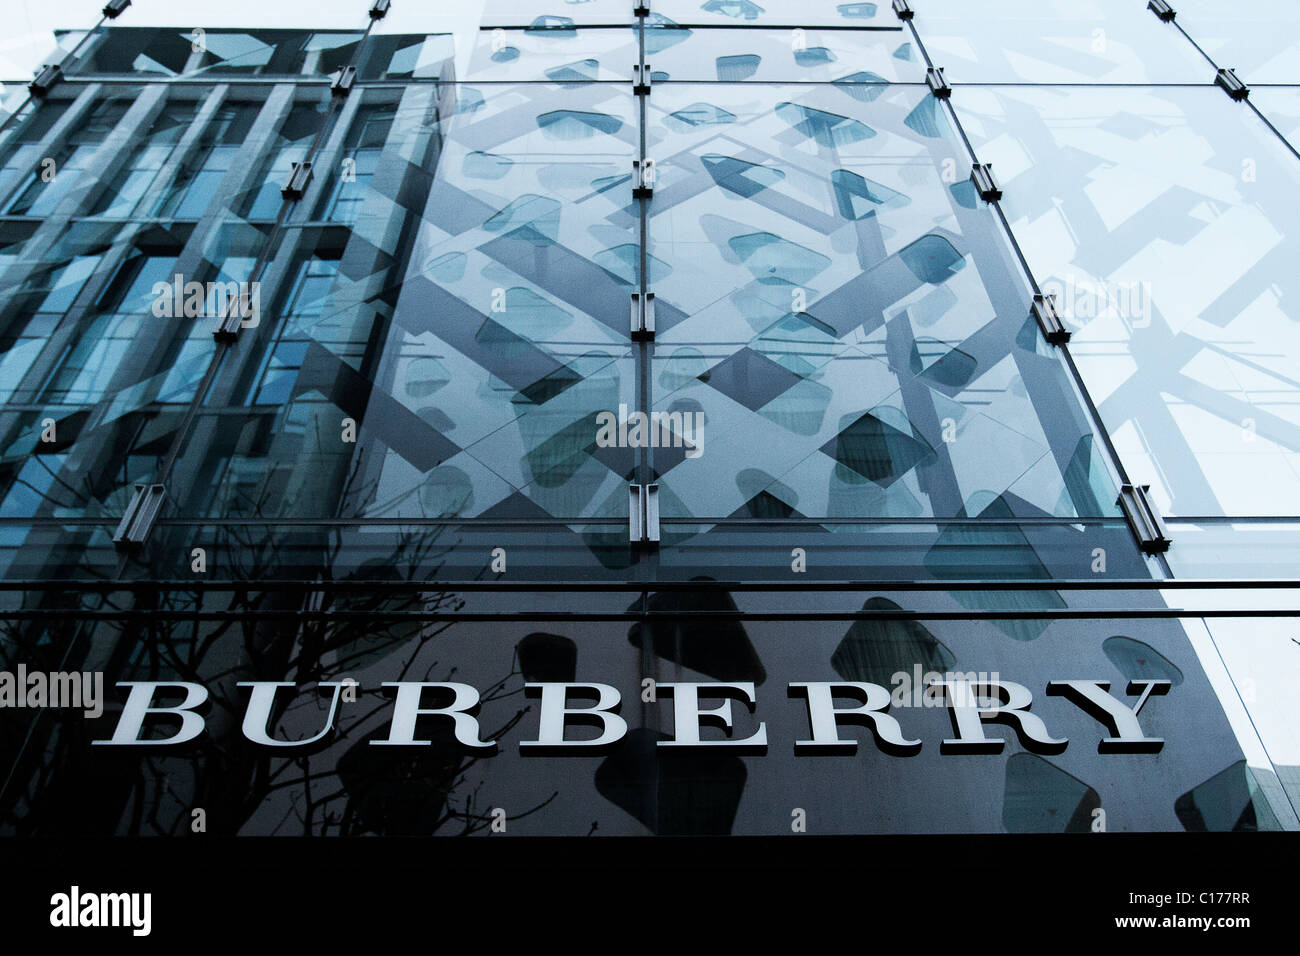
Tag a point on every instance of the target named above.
point(131, 723)
point(556, 714)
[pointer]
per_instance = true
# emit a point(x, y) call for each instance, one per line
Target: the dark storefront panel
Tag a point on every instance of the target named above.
point(1198, 780)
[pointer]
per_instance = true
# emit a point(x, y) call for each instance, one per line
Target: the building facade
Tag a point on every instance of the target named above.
point(740, 363)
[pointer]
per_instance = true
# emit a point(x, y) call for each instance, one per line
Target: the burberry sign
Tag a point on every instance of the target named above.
point(702, 715)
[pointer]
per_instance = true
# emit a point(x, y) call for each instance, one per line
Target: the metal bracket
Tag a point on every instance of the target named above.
point(1049, 320)
point(1231, 84)
point(45, 79)
point(643, 178)
point(1143, 519)
point(938, 85)
point(982, 175)
point(299, 178)
point(341, 85)
point(1163, 10)
point(641, 10)
point(643, 515)
point(115, 7)
point(140, 515)
point(641, 79)
point(643, 316)
point(230, 319)
point(903, 11)
point(380, 9)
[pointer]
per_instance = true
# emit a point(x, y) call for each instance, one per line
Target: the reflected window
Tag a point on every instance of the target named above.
point(305, 306)
point(49, 183)
point(293, 142)
point(173, 51)
point(37, 307)
point(357, 168)
point(25, 153)
point(125, 190)
point(201, 171)
point(83, 372)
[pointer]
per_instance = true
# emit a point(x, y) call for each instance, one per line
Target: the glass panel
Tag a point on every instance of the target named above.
point(24, 125)
point(761, 550)
point(1056, 41)
point(1250, 664)
point(12, 99)
point(406, 56)
point(784, 12)
point(100, 359)
point(1168, 230)
point(1259, 41)
point(572, 57)
point(811, 55)
point(43, 185)
point(121, 195)
point(826, 291)
point(206, 163)
point(1227, 550)
point(293, 139)
point(522, 13)
point(474, 356)
point(1281, 107)
point(29, 49)
point(35, 301)
point(61, 552)
point(172, 51)
point(421, 549)
point(352, 183)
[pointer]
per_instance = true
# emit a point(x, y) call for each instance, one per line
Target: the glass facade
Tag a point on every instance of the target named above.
point(648, 351)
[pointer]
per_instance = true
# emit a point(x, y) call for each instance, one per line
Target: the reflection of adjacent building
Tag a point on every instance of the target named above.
point(393, 473)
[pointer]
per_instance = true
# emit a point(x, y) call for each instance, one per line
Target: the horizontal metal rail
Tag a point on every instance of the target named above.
point(526, 617)
point(629, 587)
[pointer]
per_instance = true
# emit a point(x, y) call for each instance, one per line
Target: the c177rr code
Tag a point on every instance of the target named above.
point(1209, 896)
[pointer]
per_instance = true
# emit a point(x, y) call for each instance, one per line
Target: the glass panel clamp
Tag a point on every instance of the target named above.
point(938, 85)
point(1231, 84)
point(643, 316)
point(1143, 519)
point(1162, 9)
point(299, 177)
point(643, 178)
point(143, 510)
point(341, 85)
point(1049, 320)
point(643, 515)
point(45, 79)
point(230, 318)
point(981, 175)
